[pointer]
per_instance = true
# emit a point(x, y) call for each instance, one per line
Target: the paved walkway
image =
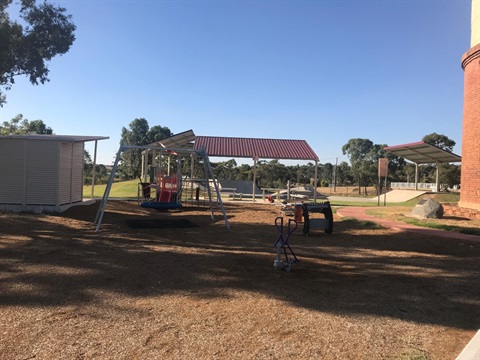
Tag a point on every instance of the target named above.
point(391, 197)
point(359, 214)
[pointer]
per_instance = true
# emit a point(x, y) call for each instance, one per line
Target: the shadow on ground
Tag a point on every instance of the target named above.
point(371, 271)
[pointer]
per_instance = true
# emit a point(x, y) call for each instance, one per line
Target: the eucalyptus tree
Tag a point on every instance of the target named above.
point(449, 174)
point(440, 140)
point(359, 153)
point(138, 133)
point(325, 173)
point(344, 174)
point(363, 155)
point(225, 170)
point(22, 126)
point(271, 174)
point(30, 39)
point(244, 172)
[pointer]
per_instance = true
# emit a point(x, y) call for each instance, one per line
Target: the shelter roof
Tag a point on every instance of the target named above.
point(62, 138)
point(423, 153)
point(183, 140)
point(252, 147)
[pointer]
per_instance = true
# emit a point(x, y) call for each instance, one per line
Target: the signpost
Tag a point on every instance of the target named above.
point(382, 172)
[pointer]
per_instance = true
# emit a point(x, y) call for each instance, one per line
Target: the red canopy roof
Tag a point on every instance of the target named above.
point(251, 147)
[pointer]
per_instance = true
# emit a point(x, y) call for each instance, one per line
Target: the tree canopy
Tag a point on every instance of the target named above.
point(21, 126)
point(41, 32)
point(138, 133)
point(440, 140)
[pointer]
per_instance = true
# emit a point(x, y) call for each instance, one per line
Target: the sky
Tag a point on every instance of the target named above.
point(315, 70)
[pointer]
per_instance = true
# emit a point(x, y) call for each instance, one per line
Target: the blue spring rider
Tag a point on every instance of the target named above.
point(282, 243)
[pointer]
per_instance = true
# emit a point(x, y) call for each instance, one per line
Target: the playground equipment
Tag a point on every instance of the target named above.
point(168, 194)
point(170, 187)
point(282, 244)
point(321, 208)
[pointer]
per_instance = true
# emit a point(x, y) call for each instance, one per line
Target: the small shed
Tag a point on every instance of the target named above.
point(42, 172)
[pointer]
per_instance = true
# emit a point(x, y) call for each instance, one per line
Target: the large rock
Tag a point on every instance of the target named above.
point(428, 209)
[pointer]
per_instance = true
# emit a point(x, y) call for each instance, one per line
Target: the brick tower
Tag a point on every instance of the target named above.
point(470, 181)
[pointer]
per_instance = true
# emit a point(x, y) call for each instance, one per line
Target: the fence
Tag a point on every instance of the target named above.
point(421, 186)
point(409, 185)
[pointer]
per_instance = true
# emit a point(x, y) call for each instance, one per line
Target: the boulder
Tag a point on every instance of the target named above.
point(428, 209)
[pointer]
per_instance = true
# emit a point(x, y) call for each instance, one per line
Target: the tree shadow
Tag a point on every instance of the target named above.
point(374, 271)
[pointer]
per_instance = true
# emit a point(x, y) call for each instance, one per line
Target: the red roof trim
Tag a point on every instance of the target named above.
point(405, 145)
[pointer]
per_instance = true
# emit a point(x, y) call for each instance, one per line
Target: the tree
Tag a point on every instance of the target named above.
point(272, 174)
point(359, 151)
point(225, 170)
point(303, 174)
point(139, 133)
point(156, 133)
point(25, 49)
point(344, 174)
point(326, 174)
point(364, 155)
point(439, 140)
point(245, 172)
point(20, 126)
point(449, 175)
point(101, 172)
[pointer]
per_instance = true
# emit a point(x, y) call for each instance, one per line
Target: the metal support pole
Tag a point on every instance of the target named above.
point(254, 177)
point(416, 176)
point(93, 169)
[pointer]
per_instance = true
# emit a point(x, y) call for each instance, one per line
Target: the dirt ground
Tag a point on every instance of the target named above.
point(206, 292)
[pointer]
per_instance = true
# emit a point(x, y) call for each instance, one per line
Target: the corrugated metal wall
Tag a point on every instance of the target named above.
point(12, 167)
point(42, 172)
point(65, 176)
point(71, 173)
point(77, 172)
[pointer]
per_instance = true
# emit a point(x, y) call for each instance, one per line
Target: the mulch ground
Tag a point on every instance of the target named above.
point(68, 292)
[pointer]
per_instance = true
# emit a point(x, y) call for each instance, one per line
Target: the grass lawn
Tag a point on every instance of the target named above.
point(124, 189)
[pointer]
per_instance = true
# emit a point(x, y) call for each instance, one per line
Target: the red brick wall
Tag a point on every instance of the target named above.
point(454, 210)
point(470, 181)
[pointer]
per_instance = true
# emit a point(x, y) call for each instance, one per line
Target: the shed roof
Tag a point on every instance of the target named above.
point(62, 138)
point(253, 147)
point(423, 153)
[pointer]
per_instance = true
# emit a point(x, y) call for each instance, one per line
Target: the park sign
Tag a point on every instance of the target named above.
point(382, 167)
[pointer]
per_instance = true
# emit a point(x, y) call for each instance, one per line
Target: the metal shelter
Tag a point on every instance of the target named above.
point(256, 148)
point(422, 152)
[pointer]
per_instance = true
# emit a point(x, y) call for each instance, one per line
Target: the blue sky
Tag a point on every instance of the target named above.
point(321, 71)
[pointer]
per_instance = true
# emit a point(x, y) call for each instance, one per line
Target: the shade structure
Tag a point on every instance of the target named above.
point(422, 152)
point(183, 140)
point(256, 148)
point(239, 147)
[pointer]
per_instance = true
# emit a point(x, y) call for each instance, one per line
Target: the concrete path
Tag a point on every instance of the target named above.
point(392, 196)
point(359, 213)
